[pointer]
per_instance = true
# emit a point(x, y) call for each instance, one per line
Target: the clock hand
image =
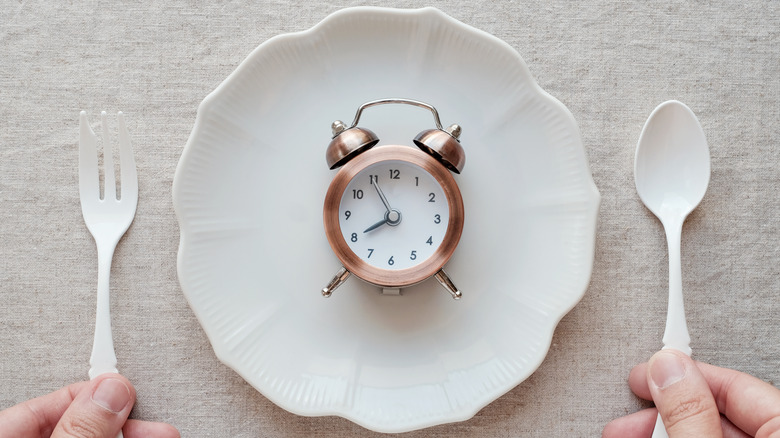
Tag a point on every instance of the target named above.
point(375, 226)
point(381, 195)
point(392, 218)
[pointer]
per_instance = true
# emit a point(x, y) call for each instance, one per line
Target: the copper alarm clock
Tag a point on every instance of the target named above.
point(393, 214)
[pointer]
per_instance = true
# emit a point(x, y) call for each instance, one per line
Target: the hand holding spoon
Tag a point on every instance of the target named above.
point(671, 172)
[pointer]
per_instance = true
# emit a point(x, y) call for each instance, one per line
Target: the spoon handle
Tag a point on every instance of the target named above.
point(676, 333)
point(659, 431)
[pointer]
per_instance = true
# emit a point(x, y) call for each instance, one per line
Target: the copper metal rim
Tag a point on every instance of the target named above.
point(349, 144)
point(401, 277)
point(442, 146)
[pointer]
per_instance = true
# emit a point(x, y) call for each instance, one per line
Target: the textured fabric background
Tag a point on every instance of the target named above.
point(610, 62)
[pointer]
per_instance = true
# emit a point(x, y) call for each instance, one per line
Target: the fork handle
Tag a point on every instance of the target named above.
point(103, 358)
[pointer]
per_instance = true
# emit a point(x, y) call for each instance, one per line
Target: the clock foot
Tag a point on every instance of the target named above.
point(339, 279)
point(445, 281)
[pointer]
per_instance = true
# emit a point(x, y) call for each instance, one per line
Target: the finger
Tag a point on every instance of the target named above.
point(99, 410)
point(38, 417)
point(148, 429)
point(750, 403)
point(641, 424)
point(637, 381)
point(731, 431)
point(682, 396)
point(770, 429)
point(638, 424)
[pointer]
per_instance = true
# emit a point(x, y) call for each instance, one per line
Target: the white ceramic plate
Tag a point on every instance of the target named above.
point(249, 190)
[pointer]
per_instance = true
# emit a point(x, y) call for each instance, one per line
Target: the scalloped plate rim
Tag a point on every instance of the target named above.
point(223, 352)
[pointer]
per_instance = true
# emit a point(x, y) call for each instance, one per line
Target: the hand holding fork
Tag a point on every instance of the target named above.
point(103, 404)
point(107, 218)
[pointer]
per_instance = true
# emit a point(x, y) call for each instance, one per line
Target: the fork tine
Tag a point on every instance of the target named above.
point(109, 175)
point(89, 178)
point(128, 173)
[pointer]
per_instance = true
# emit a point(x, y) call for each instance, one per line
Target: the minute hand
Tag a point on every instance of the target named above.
point(382, 195)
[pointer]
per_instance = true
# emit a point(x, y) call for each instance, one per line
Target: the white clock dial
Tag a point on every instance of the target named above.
point(393, 215)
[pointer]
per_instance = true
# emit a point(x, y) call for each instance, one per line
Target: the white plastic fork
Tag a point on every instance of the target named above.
point(107, 218)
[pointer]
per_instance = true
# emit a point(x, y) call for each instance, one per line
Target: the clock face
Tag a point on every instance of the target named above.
point(393, 215)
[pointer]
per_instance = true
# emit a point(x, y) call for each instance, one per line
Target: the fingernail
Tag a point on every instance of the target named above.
point(666, 369)
point(112, 395)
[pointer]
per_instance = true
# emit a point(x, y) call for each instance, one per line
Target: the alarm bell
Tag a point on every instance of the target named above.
point(348, 142)
point(441, 144)
point(444, 146)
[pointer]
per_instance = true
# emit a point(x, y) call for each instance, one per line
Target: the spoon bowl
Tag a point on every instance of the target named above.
point(672, 163)
point(671, 173)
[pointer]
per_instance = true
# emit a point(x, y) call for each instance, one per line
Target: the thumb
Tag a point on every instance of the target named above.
point(98, 411)
point(682, 396)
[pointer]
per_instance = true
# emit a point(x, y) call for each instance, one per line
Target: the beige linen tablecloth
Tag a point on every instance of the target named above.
point(609, 62)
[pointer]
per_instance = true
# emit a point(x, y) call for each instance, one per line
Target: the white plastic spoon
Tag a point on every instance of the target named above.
point(671, 172)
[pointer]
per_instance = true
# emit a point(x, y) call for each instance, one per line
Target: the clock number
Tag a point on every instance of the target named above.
point(437, 219)
point(391, 262)
point(370, 251)
point(416, 181)
point(431, 197)
point(413, 256)
point(357, 194)
point(354, 237)
point(373, 178)
point(347, 214)
point(430, 240)
point(395, 174)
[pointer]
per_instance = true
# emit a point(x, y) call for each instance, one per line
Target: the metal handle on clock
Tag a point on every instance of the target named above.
point(397, 100)
point(442, 144)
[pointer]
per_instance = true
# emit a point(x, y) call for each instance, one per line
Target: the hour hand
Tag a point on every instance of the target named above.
point(392, 218)
point(375, 226)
